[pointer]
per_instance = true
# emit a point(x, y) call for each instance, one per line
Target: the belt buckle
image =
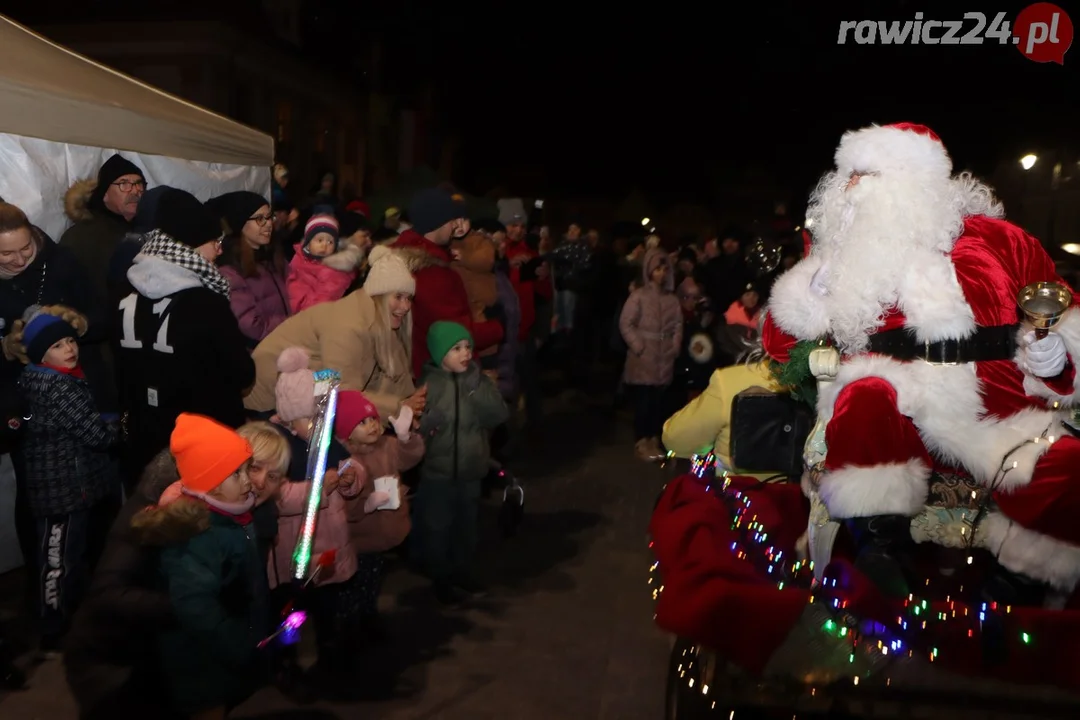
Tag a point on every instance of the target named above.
point(944, 355)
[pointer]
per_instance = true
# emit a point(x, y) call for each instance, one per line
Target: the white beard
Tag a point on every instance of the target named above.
point(867, 237)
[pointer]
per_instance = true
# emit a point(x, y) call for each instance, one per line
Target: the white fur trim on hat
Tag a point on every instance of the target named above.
point(388, 273)
point(903, 148)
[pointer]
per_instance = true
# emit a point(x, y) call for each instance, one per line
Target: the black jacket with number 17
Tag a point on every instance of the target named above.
point(178, 349)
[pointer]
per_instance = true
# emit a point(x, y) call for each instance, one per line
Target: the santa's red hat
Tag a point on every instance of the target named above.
point(901, 147)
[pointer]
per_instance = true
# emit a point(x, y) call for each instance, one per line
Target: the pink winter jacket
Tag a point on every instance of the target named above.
point(331, 533)
point(259, 303)
point(652, 326)
point(313, 281)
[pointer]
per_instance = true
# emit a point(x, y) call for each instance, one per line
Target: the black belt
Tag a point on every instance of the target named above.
point(988, 343)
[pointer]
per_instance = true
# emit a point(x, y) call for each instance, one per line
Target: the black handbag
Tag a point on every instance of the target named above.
point(768, 432)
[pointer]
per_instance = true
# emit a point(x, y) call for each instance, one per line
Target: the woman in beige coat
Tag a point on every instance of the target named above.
point(366, 336)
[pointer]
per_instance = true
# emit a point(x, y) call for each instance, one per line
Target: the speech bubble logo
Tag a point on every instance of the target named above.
point(1043, 32)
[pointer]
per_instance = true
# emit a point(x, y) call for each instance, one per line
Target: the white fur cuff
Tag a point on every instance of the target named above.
point(1030, 553)
point(886, 489)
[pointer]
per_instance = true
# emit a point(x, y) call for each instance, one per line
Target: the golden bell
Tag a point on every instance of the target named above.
point(1044, 303)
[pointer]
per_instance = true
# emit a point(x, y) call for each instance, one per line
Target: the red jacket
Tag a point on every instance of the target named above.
point(527, 290)
point(440, 295)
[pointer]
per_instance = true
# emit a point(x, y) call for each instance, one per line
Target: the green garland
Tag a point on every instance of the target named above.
point(794, 375)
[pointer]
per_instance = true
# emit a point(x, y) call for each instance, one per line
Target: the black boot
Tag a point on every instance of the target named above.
point(11, 677)
point(884, 551)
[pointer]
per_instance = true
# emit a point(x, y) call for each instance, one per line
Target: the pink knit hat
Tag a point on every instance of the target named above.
point(295, 390)
point(352, 409)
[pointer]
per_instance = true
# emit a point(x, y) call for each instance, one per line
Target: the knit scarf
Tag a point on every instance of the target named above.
point(160, 245)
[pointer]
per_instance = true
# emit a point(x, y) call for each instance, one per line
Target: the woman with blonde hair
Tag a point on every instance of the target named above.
point(270, 456)
point(366, 336)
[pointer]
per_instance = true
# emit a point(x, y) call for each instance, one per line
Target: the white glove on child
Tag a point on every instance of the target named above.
point(1045, 358)
point(375, 500)
point(402, 424)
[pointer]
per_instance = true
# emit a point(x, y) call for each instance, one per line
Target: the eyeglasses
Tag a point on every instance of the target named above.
point(220, 241)
point(129, 185)
point(260, 220)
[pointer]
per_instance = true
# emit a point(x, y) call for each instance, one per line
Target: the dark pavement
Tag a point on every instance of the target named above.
point(567, 631)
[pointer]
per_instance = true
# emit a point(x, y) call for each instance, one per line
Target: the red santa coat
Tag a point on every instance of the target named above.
point(890, 422)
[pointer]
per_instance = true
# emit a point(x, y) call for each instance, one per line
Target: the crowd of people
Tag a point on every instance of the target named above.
point(159, 373)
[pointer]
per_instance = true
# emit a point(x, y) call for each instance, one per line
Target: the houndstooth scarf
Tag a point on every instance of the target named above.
point(161, 245)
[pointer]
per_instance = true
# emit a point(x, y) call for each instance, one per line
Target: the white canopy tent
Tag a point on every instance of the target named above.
point(62, 115)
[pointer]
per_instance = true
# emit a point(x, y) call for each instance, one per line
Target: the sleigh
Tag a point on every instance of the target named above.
point(760, 632)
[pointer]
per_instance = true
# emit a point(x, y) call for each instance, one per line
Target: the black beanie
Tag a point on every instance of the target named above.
point(113, 168)
point(236, 208)
point(432, 208)
point(145, 218)
point(182, 217)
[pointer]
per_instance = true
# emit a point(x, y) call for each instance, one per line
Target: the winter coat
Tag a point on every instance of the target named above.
point(347, 336)
point(260, 303)
point(506, 359)
point(53, 278)
point(461, 409)
point(94, 236)
point(705, 423)
point(67, 444)
point(319, 280)
point(217, 588)
point(440, 295)
point(652, 325)
point(383, 529)
point(114, 631)
point(736, 314)
point(527, 290)
point(192, 358)
point(331, 534)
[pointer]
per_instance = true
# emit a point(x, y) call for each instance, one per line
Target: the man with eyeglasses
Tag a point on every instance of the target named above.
point(102, 211)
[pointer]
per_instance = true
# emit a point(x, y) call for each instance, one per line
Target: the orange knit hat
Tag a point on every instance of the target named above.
point(206, 452)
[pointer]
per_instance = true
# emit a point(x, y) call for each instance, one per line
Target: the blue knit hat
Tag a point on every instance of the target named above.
point(43, 332)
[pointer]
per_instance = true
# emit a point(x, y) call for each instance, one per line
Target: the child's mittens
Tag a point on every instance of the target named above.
point(376, 500)
point(403, 423)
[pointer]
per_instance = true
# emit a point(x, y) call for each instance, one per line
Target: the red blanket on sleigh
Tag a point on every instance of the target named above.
point(717, 597)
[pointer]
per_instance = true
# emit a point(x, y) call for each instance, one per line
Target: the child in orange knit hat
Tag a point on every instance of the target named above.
point(211, 570)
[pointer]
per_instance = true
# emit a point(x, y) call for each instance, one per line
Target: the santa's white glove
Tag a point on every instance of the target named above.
point(402, 424)
point(819, 283)
point(1047, 357)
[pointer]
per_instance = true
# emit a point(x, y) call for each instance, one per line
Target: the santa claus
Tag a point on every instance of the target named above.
point(913, 278)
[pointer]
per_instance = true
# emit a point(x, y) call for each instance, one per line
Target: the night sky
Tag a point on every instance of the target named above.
point(678, 99)
point(672, 103)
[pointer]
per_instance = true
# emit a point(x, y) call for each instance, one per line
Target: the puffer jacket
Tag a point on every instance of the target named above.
point(652, 326)
point(67, 444)
point(460, 409)
point(382, 530)
point(311, 281)
point(217, 587)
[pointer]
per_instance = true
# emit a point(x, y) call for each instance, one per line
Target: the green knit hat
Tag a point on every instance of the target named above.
point(442, 336)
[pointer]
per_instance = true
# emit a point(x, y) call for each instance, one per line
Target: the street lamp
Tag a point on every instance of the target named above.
point(644, 222)
point(1028, 161)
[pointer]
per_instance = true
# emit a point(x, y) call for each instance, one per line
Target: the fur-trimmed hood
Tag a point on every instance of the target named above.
point(77, 199)
point(417, 259)
point(350, 257)
point(171, 524)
